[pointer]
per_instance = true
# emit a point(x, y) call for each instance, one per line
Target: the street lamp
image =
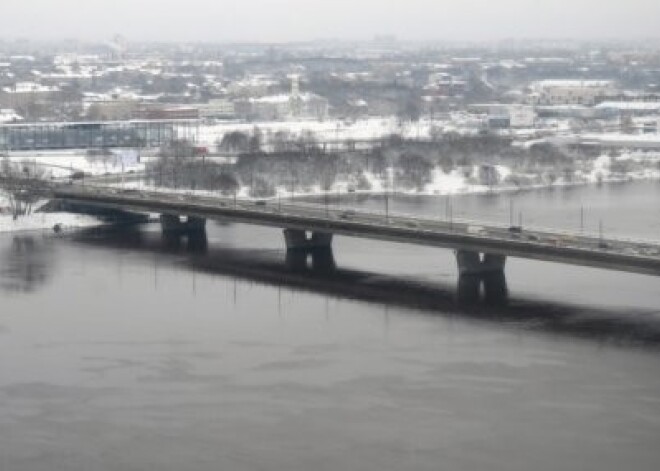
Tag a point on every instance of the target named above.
point(387, 208)
point(510, 212)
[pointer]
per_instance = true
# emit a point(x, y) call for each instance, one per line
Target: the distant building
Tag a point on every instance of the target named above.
point(25, 93)
point(217, 108)
point(571, 92)
point(631, 108)
point(163, 111)
point(255, 85)
point(507, 115)
point(286, 106)
point(445, 84)
point(112, 110)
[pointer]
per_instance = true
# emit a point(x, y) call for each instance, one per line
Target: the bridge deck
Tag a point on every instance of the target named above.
point(574, 249)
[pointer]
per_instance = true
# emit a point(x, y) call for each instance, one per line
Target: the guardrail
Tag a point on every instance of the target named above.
point(393, 217)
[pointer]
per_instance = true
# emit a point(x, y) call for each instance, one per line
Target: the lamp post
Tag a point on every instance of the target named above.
point(510, 212)
point(387, 208)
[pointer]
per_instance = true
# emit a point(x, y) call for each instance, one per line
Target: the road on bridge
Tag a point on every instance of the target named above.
point(565, 247)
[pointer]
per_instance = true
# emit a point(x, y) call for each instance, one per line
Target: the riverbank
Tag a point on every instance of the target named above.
point(46, 222)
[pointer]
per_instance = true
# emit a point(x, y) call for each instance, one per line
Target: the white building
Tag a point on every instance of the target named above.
point(286, 106)
point(518, 116)
point(217, 108)
point(570, 92)
point(23, 93)
point(632, 108)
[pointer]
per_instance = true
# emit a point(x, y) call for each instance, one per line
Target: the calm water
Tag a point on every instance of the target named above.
point(121, 350)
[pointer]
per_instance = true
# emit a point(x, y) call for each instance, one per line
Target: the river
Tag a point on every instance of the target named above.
point(124, 350)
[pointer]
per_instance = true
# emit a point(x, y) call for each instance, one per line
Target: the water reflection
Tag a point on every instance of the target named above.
point(194, 242)
point(318, 273)
point(322, 260)
point(26, 264)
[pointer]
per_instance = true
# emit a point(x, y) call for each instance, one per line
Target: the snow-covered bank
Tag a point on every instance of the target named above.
point(59, 164)
point(46, 222)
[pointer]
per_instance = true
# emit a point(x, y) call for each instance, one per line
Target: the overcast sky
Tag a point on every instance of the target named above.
point(293, 20)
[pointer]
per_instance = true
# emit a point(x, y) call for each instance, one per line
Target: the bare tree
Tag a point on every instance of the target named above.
point(20, 183)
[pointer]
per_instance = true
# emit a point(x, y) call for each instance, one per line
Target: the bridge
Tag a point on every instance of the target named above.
point(481, 249)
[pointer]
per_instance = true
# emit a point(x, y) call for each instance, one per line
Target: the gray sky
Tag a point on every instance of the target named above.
point(287, 20)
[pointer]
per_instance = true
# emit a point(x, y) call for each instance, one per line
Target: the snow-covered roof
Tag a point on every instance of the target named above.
point(272, 99)
point(29, 87)
point(574, 83)
point(284, 98)
point(8, 115)
point(630, 105)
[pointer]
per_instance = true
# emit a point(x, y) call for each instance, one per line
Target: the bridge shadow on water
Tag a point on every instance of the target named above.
point(485, 299)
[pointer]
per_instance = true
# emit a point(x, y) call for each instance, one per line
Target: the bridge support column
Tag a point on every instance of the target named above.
point(473, 263)
point(301, 246)
point(175, 225)
point(299, 240)
point(476, 269)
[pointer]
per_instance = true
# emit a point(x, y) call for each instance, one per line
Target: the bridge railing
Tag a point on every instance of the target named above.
point(394, 218)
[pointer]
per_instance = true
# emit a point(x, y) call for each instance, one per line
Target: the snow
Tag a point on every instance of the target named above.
point(29, 87)
point(574, 83)
point(46, 222)
point(61, 164)
point(343, 130)
point(8, 115)
point(630, 106)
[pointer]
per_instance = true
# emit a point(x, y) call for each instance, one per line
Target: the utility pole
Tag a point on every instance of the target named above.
point(325, 199)
point(511, 212)
point(451, 216)
point(447, 209)
point(581, 219)
point(387, 208)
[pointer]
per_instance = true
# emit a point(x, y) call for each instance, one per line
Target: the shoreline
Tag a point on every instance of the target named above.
point(475, 190)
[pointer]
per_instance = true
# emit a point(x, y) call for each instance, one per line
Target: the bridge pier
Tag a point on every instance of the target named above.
point(475, 269)
point(301, 245)
point(473, 263)
point(296, 239)
point(175, 225)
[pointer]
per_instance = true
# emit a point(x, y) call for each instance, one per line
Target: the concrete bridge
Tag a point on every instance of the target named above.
point(481, 249)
